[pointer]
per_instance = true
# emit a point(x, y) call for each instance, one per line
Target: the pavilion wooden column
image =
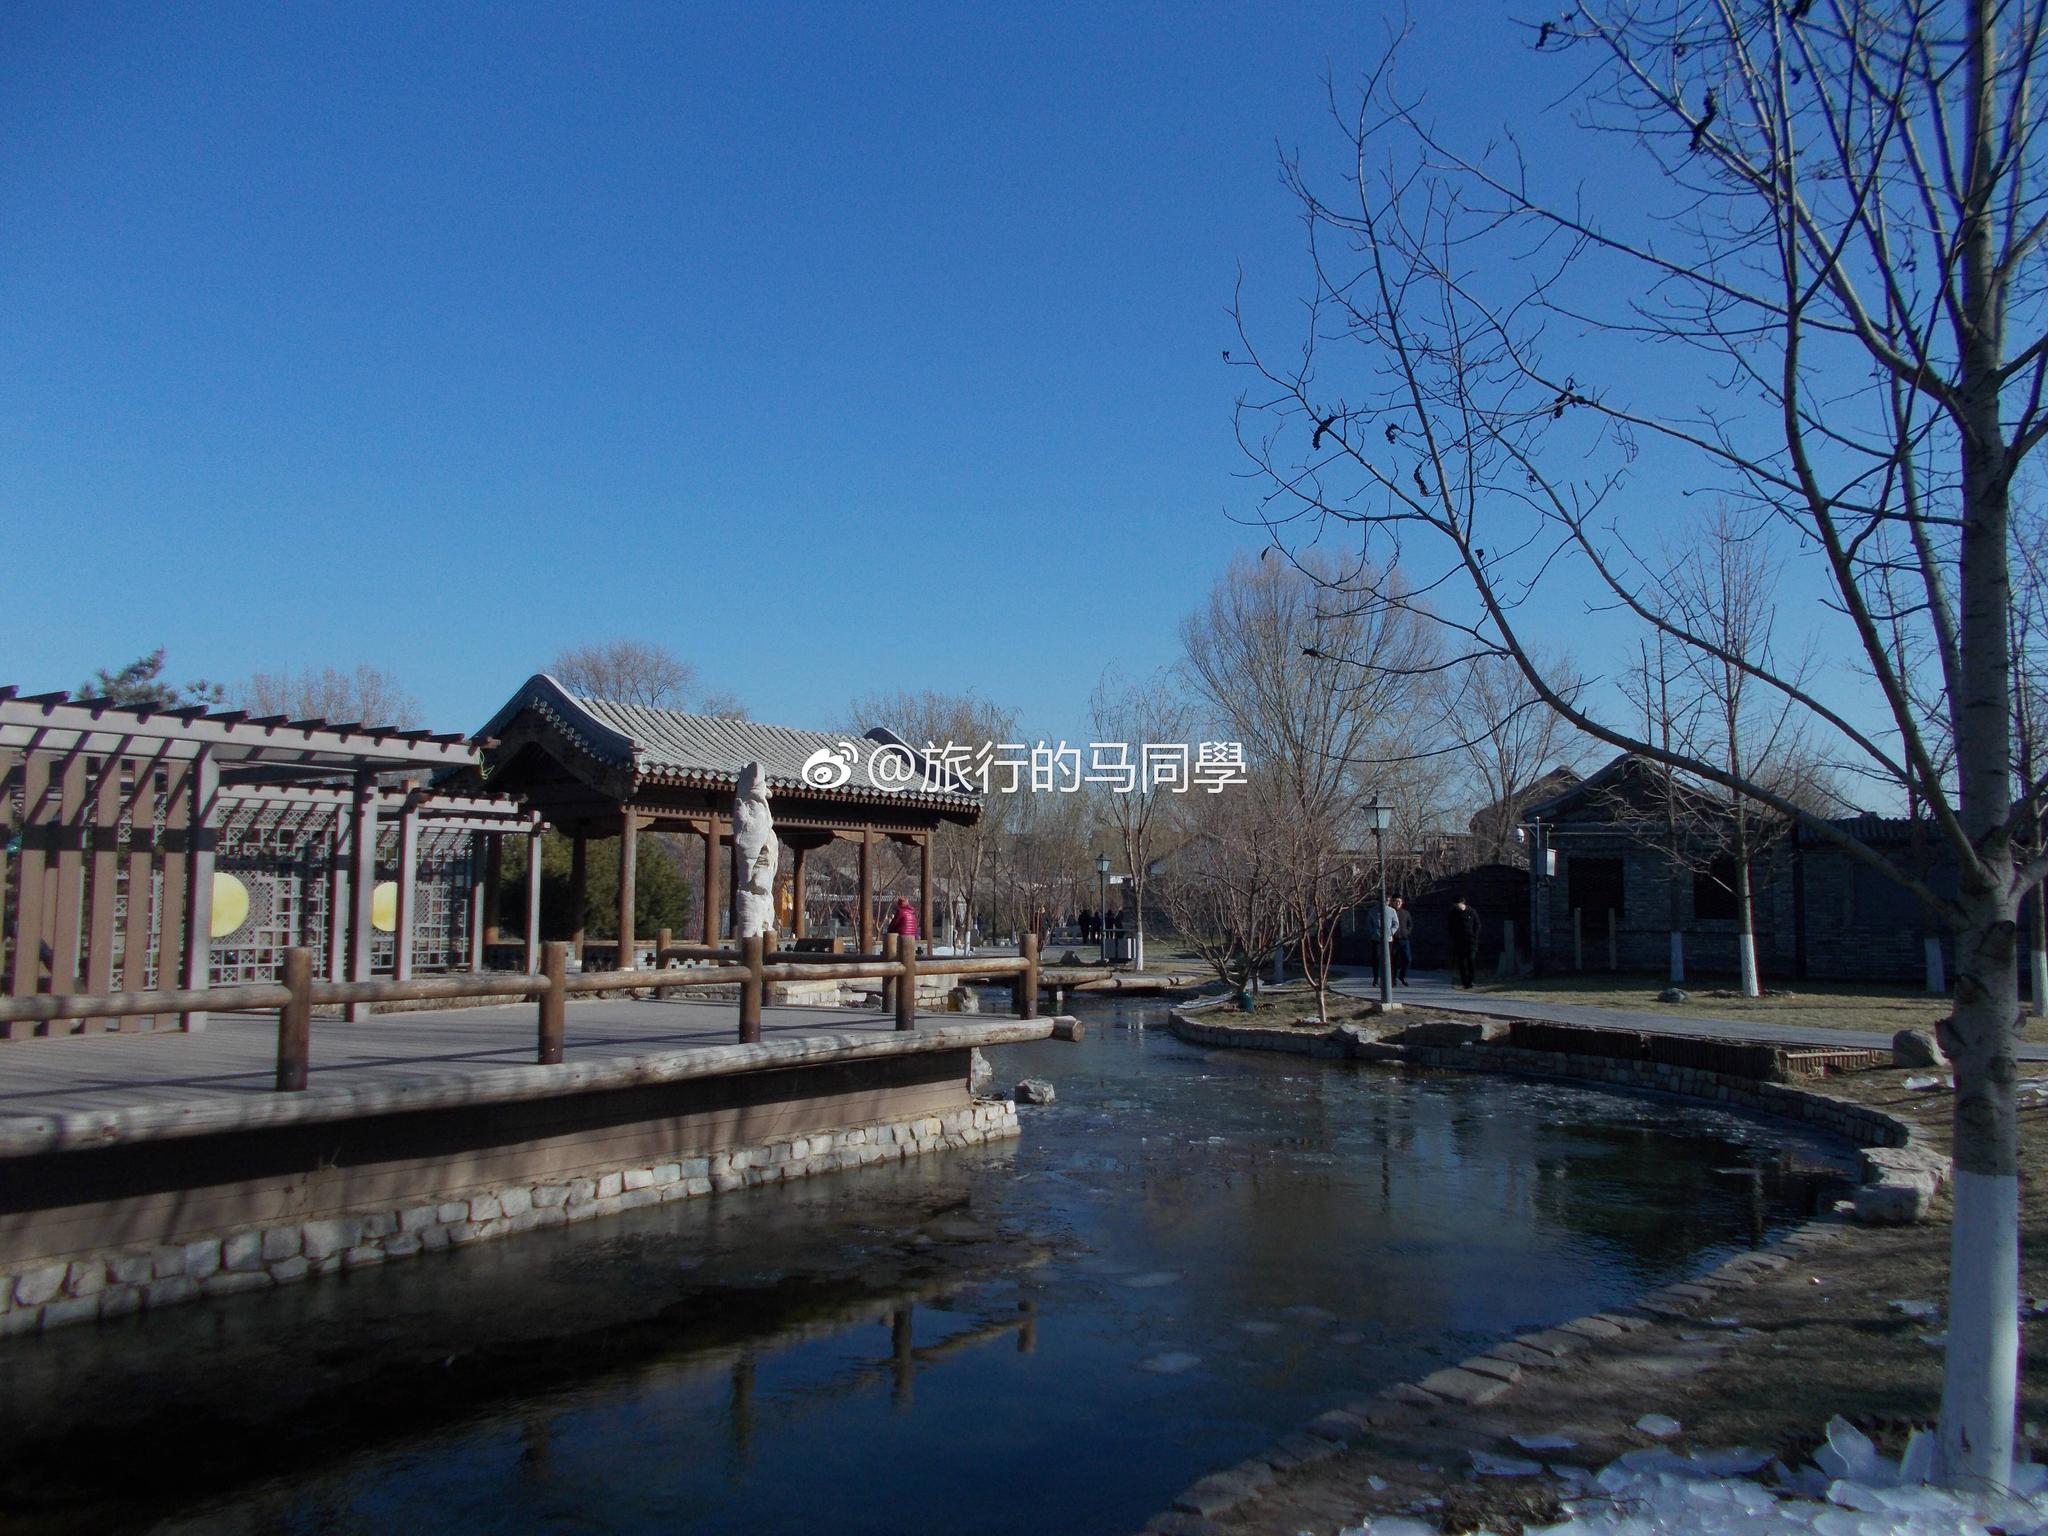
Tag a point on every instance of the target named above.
point(799, 923)
point(494, 877)
point(629, 859)
point(926, 922)
point(202, 788)
point(579, 883)
point(362, 886)
point(708, 922)
point(408, 897)
point(476, 908)
point(867, 892)
point(337, 897)
point(533, 843)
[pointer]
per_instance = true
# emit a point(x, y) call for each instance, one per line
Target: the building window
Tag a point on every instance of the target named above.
point(1713, 891)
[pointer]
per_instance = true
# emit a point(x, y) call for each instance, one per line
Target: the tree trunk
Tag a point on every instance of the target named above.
point(1745, 918)
point(2038, 993)
point(1937, 981)
point(1677, 958)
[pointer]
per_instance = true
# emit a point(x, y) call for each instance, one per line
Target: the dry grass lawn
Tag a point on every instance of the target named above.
point(1816, 1004)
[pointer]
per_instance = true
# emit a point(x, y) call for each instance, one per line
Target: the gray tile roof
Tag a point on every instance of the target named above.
point(670, 744)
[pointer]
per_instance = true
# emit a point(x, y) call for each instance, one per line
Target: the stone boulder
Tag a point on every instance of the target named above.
point(1916, 1048)
point(1674, 995)
point(1034, 1090)
point(963, 1000)
point(981, 1075)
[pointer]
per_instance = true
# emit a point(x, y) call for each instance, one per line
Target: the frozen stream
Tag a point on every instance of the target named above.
point(1187, 1255)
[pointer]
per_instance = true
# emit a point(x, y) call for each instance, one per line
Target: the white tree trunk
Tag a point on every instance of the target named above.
point(1745, 954)
point(1745, 911)
point(2039, 1003)
point(1677, 958)
point(1982, 1367)
point(753, 836)
point(1937, 979)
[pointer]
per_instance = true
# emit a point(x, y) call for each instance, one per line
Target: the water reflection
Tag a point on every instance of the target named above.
point(1187, 1254)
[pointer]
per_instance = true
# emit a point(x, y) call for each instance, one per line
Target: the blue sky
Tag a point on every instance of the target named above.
point(837, 349)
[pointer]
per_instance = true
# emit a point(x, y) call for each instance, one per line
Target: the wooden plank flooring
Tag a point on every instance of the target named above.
point(236, 1056)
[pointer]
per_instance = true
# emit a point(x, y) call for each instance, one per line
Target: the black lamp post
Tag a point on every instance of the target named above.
point(1379, 818)
point(1102, 905)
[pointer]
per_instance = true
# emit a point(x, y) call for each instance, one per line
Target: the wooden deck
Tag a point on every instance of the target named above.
point(234, 1060)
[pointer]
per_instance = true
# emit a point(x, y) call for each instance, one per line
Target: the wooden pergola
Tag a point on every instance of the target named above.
point(595, 768)
point(115, 818)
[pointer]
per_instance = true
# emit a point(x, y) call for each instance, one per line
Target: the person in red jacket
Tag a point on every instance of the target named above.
point(904, 921)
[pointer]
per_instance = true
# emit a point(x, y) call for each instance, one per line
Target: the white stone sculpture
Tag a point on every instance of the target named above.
point(753, 837)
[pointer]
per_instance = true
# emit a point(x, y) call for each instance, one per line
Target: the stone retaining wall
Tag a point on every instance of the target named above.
point(115, 1283)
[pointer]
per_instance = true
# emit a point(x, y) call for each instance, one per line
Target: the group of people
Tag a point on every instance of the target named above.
point(1090, 924)
point(1397, 924)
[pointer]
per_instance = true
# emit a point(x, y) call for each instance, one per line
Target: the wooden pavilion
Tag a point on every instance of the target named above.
point(149, 848)
point(596, 768)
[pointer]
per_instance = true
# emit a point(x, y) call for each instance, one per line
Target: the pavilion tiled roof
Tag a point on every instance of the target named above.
point(676, 747)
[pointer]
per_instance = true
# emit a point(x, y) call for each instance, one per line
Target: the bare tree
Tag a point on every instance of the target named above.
point(1132, 713)
point(1224, 886)
point(639, 672)
point(961, 856)
point(1508, 740)
point(365, 696)
point(1839, 208)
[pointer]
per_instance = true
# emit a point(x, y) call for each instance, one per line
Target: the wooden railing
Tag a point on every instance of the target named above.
point(751, 963)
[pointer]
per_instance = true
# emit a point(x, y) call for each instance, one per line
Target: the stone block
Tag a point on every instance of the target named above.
point(1592, 1328)
point(485, 1208)
point(416, 1217)
point(610, 1185)
point(85, 1277)
point(697, 1186)
point(228, 1283)
point(1554, 1342)
point(634, 1199)
point(403, 1245)
point(553, 1216)
point(170, 1291)
point(362, 1256)
point(132, 1269)
point(463, 1232)
point(286, 1271)
point(381, 1224)
point(516, 1201)
point(166, 1262)
point(1338, 1426)
point(1036, 1090)
point(242, 1253)
point(636, 1179)
point(20, 1320)
point(1893, 1204)
point(667, 1173)
point(325, 1239)
point(1487, 1365)
point(1523, 1355)
point(33, 1287)
point(452, 1211)
point(202, 1258)
point(433, 1239)
point(694, 1168)
point(1216, 1493)
point(1459, 1386)
point(281, 1243)
point(550, 1196)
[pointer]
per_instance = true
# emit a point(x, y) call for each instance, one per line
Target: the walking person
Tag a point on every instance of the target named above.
point(1463, 923)
point(1403, 932)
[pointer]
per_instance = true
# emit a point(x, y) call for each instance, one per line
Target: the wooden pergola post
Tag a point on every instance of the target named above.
point(68, 866)
point(799, 922)
point(867, 891)
point(579, 884)
point(708, 919)
point(362, 886)
point(629, 859)
point(476, 909)
point(203, 792)
point(533, 842)
point(337, 897)
point(408, 896)
point(926, 923)
point(494, 878)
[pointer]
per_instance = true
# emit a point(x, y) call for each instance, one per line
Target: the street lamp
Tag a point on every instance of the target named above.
point(1379, 818)
point(1102, 905)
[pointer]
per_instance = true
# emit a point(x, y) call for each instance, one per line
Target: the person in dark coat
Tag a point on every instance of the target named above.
point(1464, 930)
point(1403, 935)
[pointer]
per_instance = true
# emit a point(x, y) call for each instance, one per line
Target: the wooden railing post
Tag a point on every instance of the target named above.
point(554, 1002)
point(906, 983)
point(888, 978)
point(753, 952)
point(1030, 1008)
point(295, 1022)
point(663, 939)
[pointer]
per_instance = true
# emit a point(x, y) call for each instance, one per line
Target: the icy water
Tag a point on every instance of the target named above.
point(1188, 1254)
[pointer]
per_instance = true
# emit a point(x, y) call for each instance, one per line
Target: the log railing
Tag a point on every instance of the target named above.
point(751, 963)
